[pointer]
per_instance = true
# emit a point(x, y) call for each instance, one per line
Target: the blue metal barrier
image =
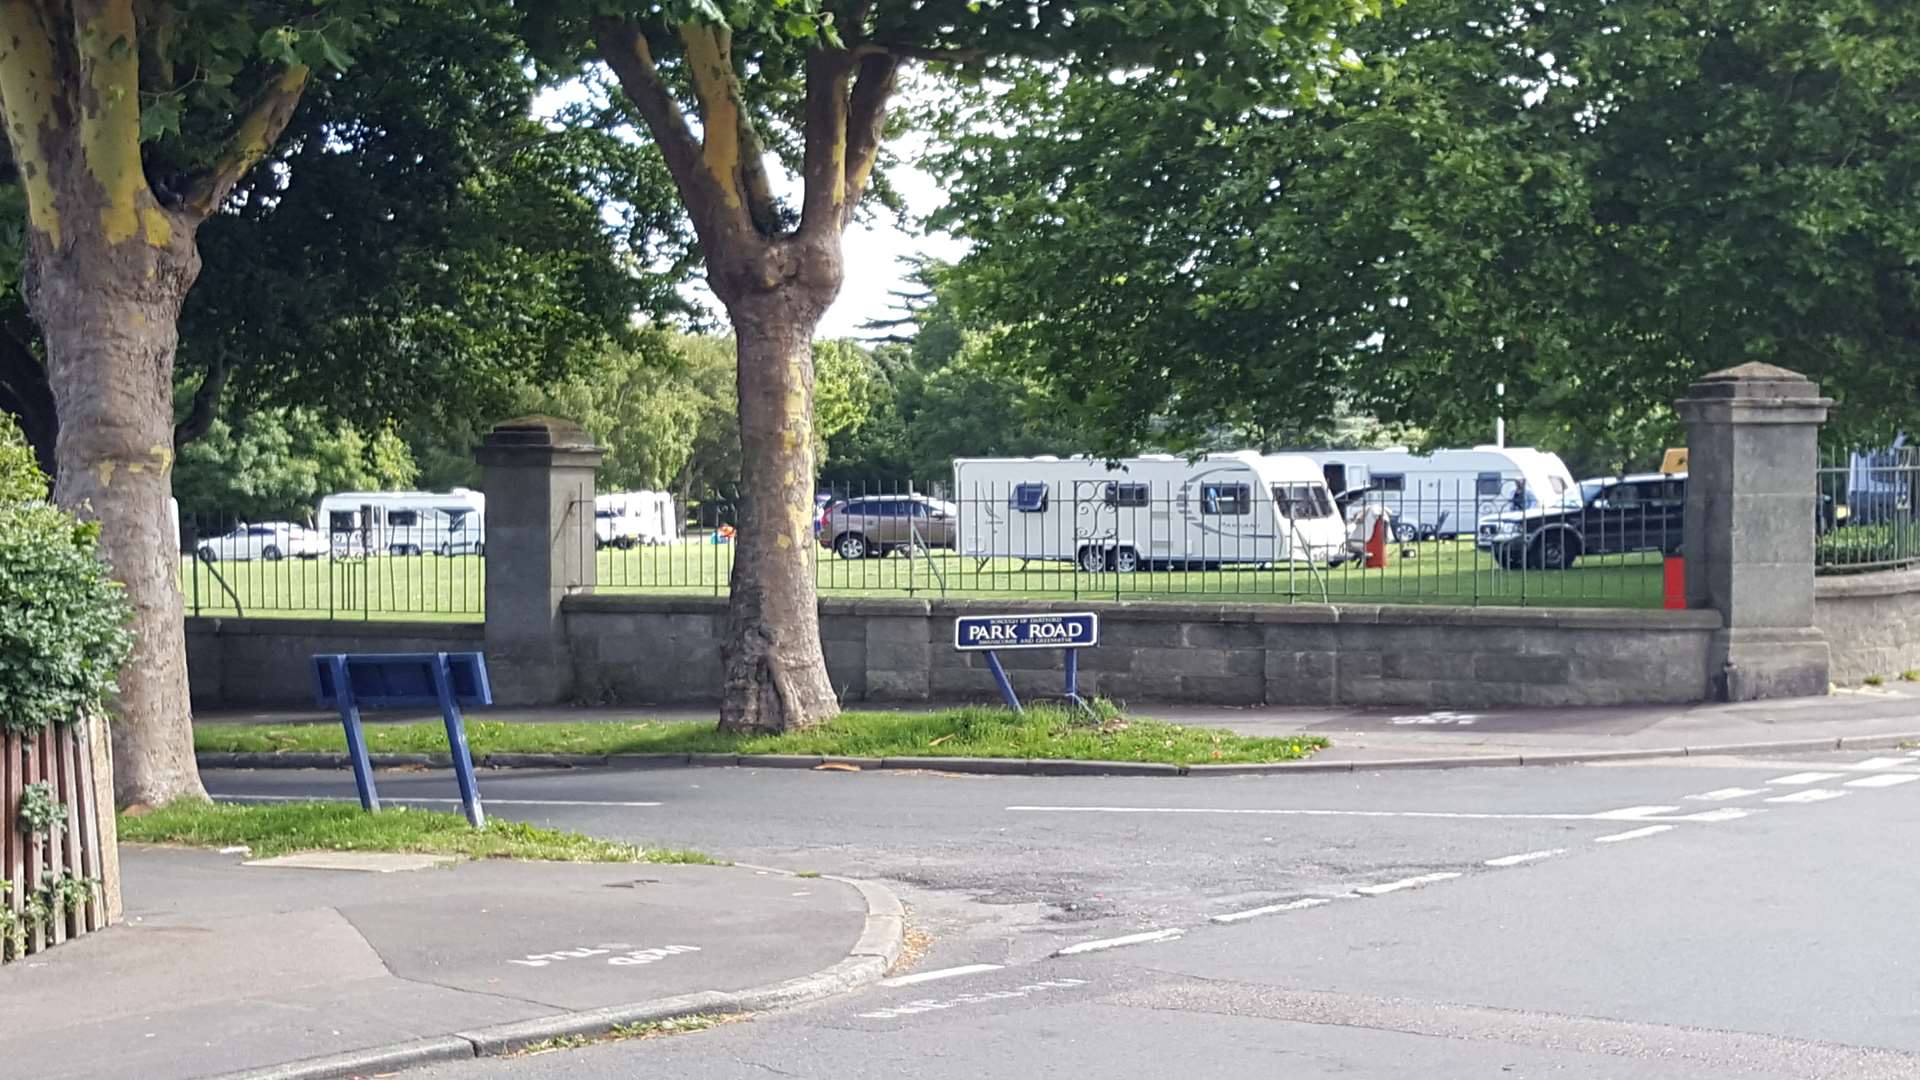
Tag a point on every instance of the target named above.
point(356, 681)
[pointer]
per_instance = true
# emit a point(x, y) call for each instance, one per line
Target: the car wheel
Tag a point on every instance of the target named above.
point(851, 546)
point(1126, 560)
point(1554, 551)
point(271, 553)
point(1406, 532)
point(1092, 559)
point(446, 551)
point(207, 554)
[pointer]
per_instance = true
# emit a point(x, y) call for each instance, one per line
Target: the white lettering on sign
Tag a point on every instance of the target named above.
point(936, 1004)
point(628, 954)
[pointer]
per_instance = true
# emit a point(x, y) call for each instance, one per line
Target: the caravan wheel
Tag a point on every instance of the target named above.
point(1406, 532)
point(1126, 560)
point(1092, 559)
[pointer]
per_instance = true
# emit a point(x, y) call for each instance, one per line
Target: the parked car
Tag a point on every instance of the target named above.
point(1608, 516)
point(272, 541)
point(874, 526)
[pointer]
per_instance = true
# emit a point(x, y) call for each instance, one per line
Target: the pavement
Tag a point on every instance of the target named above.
point(1863, 716)
point(228, 969)
point(1708, 917)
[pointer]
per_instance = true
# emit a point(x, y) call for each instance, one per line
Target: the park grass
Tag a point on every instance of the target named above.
point(1042, 732)
point(428, 587)
point(288, 827)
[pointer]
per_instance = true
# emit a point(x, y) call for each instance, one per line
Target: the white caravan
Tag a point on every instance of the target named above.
point(1446, 493)
point(405, 522)
point(624, 518)
point(1148, 512)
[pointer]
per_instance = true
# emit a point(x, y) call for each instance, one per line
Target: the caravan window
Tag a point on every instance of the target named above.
point(403, 519)
point(456, 520)
point(1389, 482)
point(1226, 500)
point(1128, 495)
point(1487, 484)
point(1302, 502)
point(1028, 498)
point(340, 521)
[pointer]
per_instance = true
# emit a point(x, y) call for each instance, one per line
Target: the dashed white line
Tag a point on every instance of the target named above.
point(943, 973)
point(1634, 813)
point(1404, 883)
point(1883, 780)
point(1274, 909)
point(1147, 938)
point(411, 799)
point(1526, 857)
point(1810, 795)
point(1635, 834)
point(1875, 763)
point(1724, 813)
point(1726, 793)
point(1805, 778)
point(1630, 813)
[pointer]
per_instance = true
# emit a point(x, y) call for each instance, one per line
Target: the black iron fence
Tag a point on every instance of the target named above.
point(1867, 506)
point(418, 569)
point(1232, 538)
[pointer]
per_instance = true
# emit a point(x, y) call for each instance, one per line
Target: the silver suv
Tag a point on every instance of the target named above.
point(876, 525)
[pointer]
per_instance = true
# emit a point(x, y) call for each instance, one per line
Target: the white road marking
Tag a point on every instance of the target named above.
point(933, 1004)
point(408, 799)
point(1531, 856)
point(1631, 813)
point(1725, 793)
point(1724, 813)
point(943, 973)
point(1651, 830)
point(1404, 883)
point(1883, 780)
point(1147, 938)
point(1875, 763)
point(1274, 909)
point(1805, 778)
point(1809, 795)
point(1913, 753)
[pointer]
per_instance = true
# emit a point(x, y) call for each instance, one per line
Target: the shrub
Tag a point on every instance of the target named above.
point(63, 621)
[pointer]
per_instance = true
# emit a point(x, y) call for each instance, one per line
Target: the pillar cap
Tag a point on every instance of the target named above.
point(1744, 393)
point(538, 430)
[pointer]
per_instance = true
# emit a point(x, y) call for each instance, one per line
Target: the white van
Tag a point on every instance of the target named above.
point(1147, 512)
point(405, 522)
point(624, 518)
point(1446, 494)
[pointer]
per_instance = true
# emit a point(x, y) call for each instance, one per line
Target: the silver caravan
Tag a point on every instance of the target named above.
point(1446, 493)
point(405, 522)
point(1147, 512)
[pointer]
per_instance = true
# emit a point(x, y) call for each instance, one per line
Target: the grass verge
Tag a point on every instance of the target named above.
point(977, 732)
point(288, 827)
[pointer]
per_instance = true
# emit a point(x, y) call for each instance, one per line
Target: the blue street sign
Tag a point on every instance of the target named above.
point(1050, 631)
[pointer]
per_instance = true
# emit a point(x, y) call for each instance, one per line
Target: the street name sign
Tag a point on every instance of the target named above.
point(979, 633)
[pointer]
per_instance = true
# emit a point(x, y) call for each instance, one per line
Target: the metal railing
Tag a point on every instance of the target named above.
point(1447, 543)
point(1867, 511)
point(230, 566)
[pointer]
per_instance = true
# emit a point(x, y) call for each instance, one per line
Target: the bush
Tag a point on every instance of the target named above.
point(63, 621)
point(1867, 547)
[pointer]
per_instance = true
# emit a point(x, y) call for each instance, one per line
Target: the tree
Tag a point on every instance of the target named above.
point(812, 81)
point(1591, 201)
point(274, 465)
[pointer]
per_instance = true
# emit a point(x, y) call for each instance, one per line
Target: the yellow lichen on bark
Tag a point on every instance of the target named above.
point(710, 63)
point(27, 96)
point(110, 116)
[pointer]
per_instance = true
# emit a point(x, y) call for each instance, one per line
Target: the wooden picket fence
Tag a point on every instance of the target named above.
point(60, 756)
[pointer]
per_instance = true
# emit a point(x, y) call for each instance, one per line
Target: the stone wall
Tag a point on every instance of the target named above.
point(235, 663)
point(1872, 623)
point(665, 650)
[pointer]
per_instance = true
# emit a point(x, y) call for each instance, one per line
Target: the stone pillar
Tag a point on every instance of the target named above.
point(538, 475)
point(1752, 448)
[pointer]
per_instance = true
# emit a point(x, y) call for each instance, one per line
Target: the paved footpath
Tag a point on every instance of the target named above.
point(224, 968)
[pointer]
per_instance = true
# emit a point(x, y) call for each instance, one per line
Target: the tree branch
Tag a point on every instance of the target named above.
point(823, 168)
point(205, 407)
point(867, 124)
point(36, 110)
point(916, 52)
point(251, 142)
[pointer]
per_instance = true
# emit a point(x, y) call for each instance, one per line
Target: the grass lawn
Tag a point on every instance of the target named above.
point(979, 732)
point(288, 827)
point(431, 587)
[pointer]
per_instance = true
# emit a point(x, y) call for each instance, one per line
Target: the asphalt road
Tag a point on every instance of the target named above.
point(1697, 918)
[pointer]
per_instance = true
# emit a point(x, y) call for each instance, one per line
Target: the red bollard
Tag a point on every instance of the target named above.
point(1377, 546)
point(1675, 581)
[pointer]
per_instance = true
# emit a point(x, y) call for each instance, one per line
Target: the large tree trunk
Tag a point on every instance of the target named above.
point(108, 314)
point(776, 673)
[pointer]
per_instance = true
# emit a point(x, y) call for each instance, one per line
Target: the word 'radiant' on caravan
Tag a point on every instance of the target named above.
point(1078, 630)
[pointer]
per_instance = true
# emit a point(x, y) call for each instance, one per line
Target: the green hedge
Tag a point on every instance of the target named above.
point(63, 621)
point(1867, 547)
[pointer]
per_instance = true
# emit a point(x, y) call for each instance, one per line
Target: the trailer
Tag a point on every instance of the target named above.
point(1447, 493)
point(405, 522)
point(1148, 513)
point(623, 519)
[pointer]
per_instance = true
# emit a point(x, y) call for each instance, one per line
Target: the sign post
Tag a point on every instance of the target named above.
point(356, 681)
point(991, 633)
